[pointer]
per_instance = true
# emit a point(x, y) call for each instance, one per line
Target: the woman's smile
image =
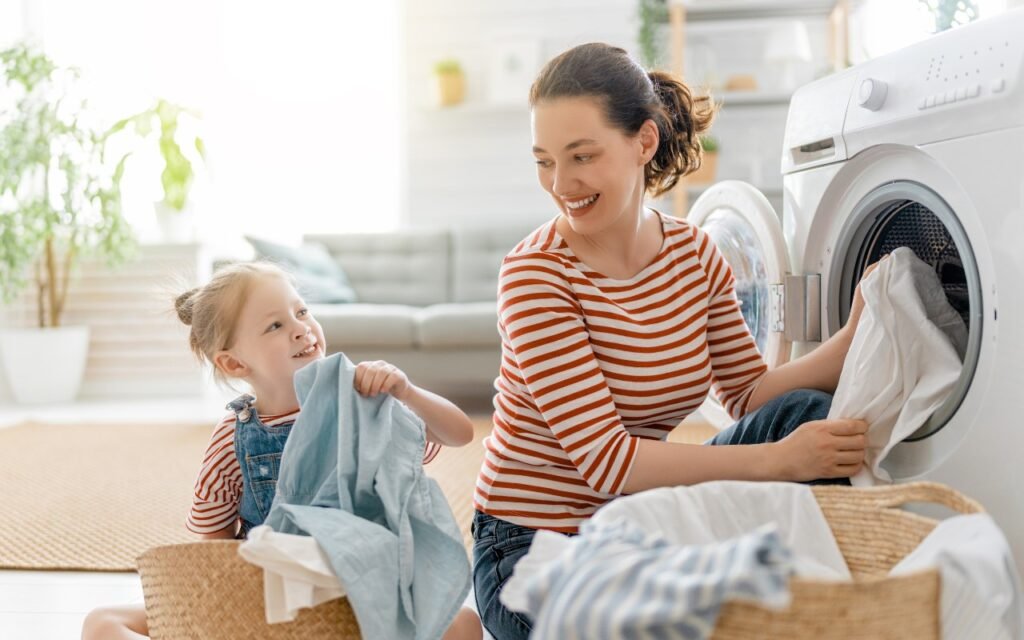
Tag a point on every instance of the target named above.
point(580, 206)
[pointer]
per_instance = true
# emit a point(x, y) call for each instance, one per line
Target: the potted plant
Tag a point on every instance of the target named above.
point(450, 82)
point(173, 212)
point(60, 199)
point(709, 162)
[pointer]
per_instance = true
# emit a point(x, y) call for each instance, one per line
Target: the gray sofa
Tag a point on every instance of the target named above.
point(426, 303)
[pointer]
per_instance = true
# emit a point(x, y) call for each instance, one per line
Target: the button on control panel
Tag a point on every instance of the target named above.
point(959, 94)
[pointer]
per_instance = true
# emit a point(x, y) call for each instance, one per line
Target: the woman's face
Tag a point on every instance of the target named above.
point(594, 171)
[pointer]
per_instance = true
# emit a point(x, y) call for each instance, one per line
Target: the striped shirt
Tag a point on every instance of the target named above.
point(218, 490)
point(590, 364)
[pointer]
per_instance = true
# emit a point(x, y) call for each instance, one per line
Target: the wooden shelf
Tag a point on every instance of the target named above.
point(742, 13)
point(703, 10)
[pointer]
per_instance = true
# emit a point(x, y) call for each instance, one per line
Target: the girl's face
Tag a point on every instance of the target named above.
point(275, 337)
point(594, 172)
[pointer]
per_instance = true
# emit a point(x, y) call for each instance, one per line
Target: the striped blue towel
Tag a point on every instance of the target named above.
point(616, 581)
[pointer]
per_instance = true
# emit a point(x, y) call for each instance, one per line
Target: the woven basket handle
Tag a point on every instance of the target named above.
point(900, 494)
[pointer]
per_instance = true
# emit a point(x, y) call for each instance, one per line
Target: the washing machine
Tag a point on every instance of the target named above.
point(922, 148)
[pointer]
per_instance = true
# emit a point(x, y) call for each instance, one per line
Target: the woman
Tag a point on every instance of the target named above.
point(617, 320)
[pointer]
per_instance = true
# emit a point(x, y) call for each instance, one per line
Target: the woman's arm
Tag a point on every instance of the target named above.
point(446, 424)
point(818, 369)
point(818, 449)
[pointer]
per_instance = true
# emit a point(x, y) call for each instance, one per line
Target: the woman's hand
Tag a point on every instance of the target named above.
point(858, 299)
point(823, 449)
point(376, 377)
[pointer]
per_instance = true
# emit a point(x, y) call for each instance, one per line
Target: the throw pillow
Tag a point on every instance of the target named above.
point(318, 276)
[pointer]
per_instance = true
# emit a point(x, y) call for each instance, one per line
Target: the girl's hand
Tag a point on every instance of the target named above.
point(823, 449)
point(376, 377)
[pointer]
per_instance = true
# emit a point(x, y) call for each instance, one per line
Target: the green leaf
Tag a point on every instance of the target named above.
point(55, 184)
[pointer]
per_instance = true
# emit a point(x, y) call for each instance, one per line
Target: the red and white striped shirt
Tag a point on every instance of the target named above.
point(591, 363)
point(218, 490)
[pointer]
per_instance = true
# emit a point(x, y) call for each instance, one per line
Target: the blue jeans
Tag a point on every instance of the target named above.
point(498, 544)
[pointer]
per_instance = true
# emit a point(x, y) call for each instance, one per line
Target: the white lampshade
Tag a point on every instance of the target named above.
point(788, 42)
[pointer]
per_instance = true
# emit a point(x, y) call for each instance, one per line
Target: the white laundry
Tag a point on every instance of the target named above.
point(296, 573)
point(905, 358)
point(704, 514)
point(715, 511)
point(981, 591)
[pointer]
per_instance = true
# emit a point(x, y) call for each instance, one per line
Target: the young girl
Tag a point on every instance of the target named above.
point(251, 324)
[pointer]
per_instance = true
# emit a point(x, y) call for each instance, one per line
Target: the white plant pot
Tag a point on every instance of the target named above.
point(175, 226)
point(44, 366)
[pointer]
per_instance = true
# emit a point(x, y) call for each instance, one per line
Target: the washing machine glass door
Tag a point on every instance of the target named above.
point(748, 233)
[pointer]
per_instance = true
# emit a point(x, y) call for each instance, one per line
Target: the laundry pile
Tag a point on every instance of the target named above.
point(663, 562)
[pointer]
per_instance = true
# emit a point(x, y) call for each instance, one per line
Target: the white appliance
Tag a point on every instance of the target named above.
point(921, 148)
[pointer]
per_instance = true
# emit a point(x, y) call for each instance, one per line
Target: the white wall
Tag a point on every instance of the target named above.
point(471, 164)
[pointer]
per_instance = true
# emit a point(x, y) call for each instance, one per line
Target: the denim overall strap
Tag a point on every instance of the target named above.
point(258, 449)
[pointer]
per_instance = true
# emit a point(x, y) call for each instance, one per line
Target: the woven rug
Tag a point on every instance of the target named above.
point(93, 497)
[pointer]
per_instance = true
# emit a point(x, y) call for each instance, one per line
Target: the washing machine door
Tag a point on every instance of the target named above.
point(744, 226)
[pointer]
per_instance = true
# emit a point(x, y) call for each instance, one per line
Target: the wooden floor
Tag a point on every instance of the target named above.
point(50, 605)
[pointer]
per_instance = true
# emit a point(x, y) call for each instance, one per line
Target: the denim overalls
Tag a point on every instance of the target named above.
point(258, 449)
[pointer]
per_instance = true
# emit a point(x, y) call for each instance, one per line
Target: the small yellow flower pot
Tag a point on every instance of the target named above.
point(451, 88)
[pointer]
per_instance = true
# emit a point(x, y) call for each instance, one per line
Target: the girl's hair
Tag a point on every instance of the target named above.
point(212, 310)
point(630, 96)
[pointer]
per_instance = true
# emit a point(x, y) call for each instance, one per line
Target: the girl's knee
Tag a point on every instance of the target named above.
point(99, 625)
point(120, 623)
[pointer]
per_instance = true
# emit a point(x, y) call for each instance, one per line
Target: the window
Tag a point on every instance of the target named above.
point(299, 103)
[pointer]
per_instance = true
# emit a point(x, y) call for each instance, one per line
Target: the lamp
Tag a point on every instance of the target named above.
point(788, 47)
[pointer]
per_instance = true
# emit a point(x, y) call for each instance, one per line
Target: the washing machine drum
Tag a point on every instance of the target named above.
point(910, 224)
point(909, 215)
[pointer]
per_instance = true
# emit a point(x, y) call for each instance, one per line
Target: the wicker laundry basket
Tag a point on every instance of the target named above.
point(873, 535)
point(204, 590)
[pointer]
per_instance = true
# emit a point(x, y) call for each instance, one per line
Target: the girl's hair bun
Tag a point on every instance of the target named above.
point(183, 305)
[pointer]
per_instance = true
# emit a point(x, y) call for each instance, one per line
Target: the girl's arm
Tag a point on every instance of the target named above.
point(446, 424)
point(227, 533)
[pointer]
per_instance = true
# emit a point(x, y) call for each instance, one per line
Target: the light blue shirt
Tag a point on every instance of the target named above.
point(352, 477)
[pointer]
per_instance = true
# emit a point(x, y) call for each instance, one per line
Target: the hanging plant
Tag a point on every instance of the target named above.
point(652, 14)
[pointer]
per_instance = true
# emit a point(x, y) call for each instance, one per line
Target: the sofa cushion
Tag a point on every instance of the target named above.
point(318, 277)
point(410, 266)
point(366, 325)
point(469, 324)
point(477, 253)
